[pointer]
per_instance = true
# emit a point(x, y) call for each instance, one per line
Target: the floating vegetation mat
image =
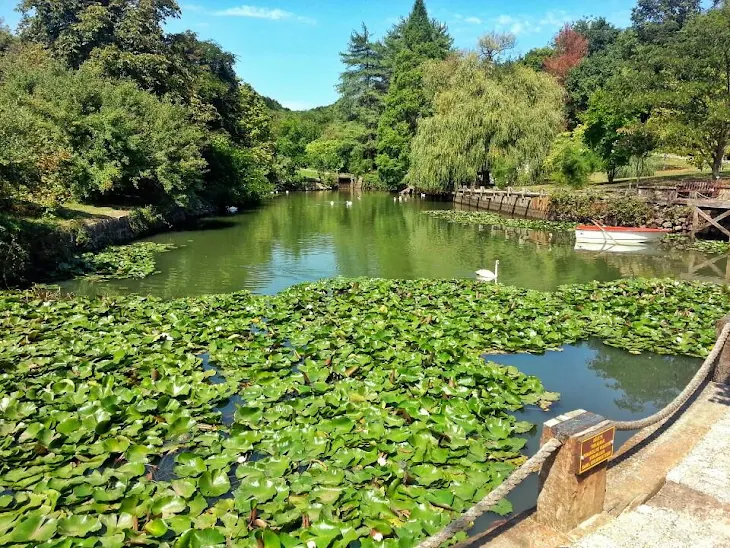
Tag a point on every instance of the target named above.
point(135, 260)
point(492, 219)
point(680, 241)
point(364, 409)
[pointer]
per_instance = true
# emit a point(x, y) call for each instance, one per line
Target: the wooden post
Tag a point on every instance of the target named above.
point(568, 497)
point(722, 368)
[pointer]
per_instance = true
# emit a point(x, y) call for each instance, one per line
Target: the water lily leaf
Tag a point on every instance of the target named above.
point(78, 525)
point(36, 527)
point(156, 527)
point(168, 506)
point(214, 484)
point(261, 490)
point(207, 538)
point(188, 464)
point(185, 487)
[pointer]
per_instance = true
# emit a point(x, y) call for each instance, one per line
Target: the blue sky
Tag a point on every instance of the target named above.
point(288, 49)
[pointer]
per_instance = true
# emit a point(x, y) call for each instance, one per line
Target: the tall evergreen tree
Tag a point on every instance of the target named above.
point(409, 44)
point(363, 86)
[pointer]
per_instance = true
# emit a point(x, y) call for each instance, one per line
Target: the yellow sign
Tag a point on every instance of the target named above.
point(596, 450)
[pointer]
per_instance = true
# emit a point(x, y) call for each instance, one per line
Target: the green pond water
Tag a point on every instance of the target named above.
point(304, 237)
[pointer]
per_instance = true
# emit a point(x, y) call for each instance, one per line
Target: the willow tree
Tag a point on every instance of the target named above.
point(490, 123)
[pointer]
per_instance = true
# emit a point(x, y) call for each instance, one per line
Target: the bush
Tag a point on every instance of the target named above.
point(74, 133)
point(584, 207)
point(372, 181)
point(571, 162)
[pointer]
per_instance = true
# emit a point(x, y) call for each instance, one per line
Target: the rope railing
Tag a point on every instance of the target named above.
point(483, 506)
point(466, 520)
point(697, 381)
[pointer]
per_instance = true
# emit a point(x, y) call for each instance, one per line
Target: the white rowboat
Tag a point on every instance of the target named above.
point(618, 235)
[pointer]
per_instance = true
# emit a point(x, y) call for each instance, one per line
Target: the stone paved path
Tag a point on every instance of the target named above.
point(691, 510)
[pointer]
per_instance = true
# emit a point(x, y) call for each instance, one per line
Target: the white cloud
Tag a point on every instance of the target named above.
point(257, 12)
point(473, 20)
point(192, 7)
point(526, 24)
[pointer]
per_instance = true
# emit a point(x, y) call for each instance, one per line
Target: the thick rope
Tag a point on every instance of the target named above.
point(707, 367)
point(484, 505)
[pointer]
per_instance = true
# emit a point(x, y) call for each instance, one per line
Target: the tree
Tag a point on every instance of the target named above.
point(536, 57)
point(324, 156)
point(123, 37)
point(570, 49)
point(599, 32)
point(693, 96)
point(495, 44)
point(412, 42)
point(613, 130)
point(489, 123)
point(363, 86)
point(657, 20)
point(6, 37)
point(570, 162)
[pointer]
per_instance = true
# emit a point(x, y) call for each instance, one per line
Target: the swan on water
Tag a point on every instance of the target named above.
point(422, 195)
point(332, 203)
point(348, 203)
point(488, 275)
point(232, 209)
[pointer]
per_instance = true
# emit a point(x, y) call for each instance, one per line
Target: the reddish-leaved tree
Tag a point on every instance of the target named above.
point(570, 49)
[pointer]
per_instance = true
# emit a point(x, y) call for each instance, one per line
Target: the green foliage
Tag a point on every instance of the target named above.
point(124, 39)
point(570, 162)
point(614, 132)
point(91, 132)
point(681, 241)
point(73, 132)
point(599, 32)
point(499, 221)
point(585, 207)
point(117, 262)
point(325, 156)
point(693, 97)
point(535, 58)
point(342, 395)
point(409, 44)
point(488, 122)
point(657, 20)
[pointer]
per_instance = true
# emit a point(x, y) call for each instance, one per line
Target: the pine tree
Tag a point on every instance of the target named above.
point(410, 43)
point(363, 86)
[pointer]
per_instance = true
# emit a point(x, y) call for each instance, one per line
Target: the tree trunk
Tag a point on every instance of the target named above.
point(717, 157)
point(611, 174)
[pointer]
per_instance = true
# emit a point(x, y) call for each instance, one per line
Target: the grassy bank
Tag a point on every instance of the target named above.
point(337, 412)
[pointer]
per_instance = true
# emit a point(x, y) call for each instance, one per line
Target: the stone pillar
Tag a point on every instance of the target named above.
point(722, 367)
point(567, 498)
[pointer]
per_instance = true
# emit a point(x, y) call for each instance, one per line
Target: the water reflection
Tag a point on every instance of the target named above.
point(600, 379)
point(301, 237)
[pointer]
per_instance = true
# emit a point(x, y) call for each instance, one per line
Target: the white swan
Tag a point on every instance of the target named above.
point(332, 203)
point(232, 209)
point(488, 275)
point(422, 195)
point(348, 203)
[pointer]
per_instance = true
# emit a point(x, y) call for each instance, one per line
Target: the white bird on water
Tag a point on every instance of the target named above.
point(232, 209)
point(332, 203)
point(488, 275)
point(422, 195)
point(348, 203)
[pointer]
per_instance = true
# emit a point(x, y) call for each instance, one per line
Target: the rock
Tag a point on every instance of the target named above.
point(667, 225)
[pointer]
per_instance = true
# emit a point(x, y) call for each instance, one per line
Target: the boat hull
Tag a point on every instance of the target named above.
point(623, 236)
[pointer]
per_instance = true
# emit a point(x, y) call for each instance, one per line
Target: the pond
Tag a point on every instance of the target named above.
point(309, 236)
point(303, 237)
